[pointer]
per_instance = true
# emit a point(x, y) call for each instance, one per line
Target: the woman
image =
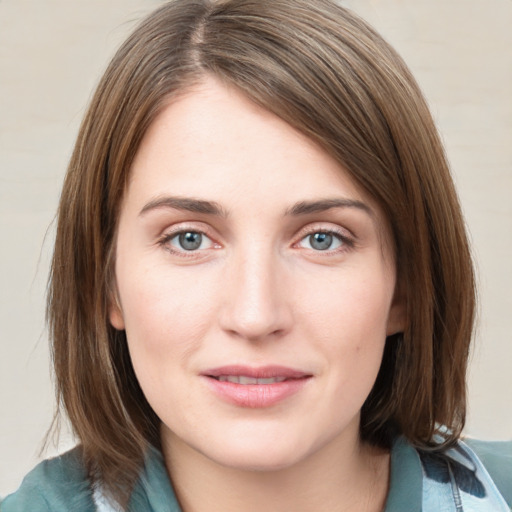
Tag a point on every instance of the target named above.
point(261, 292)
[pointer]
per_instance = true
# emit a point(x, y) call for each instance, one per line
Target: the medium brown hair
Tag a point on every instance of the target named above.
point(332, 77)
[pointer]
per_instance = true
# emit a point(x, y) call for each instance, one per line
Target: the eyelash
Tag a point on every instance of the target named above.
point(347, 242)
point(165, 240)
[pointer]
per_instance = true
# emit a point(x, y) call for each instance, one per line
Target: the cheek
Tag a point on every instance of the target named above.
point(166, 315)
point(346, 318)
point(349, 308)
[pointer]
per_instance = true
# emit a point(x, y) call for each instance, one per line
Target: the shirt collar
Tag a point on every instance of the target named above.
point(406, 481)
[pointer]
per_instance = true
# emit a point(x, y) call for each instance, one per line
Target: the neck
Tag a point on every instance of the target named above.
point(341, 476)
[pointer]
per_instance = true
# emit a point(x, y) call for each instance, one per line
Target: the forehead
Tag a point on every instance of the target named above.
point(212, 138)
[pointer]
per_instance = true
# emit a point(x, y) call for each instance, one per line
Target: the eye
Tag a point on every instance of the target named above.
point(322, 241)
point(190, 241)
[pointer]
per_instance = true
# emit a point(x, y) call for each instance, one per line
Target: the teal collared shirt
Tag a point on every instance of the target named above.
point(456, 480)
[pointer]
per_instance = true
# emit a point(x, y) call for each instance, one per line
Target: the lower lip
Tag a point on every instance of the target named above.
point(256, 396)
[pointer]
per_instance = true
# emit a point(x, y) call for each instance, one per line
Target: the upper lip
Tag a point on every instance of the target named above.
point(260, 372)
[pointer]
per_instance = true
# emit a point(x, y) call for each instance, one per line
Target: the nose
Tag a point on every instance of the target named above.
point(256, 305)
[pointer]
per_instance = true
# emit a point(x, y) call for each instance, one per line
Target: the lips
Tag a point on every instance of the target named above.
point(262, 372)
point(251, 387)
point(245, 380)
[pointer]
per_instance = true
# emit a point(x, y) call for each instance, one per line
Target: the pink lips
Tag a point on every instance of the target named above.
point(255, 387)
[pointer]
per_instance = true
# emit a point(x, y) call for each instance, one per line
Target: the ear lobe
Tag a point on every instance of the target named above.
point(397, 317)
point(115, 315)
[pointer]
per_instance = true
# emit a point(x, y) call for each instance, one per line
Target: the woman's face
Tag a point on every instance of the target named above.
point(255, 284)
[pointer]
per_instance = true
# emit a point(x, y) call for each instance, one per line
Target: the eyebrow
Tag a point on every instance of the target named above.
point(322, 205)
point(213, 208)
point(188, 204)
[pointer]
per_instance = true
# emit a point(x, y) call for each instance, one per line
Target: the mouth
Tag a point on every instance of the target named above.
point(245, 380)
point(255, 387)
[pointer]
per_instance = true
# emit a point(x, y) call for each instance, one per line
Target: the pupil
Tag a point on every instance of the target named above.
point(320, 241)
point(190, 241)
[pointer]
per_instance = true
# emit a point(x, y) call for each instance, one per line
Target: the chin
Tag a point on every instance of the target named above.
point(257, 460)
point(261, 452)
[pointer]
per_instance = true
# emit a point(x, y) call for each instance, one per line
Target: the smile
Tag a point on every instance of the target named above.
point(255, 388)
point(245, 380)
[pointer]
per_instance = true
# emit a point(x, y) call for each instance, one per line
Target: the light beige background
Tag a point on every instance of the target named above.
point(51, 55)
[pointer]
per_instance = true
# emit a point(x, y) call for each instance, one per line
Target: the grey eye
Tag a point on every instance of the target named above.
point(190, 241)
point(320, 241)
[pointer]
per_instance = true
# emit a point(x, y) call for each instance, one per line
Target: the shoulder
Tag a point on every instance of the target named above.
point(57, 484)
point(496, 456)
point(477, 475)
point(479, 479)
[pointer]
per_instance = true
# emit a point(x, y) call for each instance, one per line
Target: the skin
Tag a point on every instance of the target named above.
point(256, 292)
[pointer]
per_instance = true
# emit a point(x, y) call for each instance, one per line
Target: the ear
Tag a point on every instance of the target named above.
point(397, 317)
point(115, 313)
